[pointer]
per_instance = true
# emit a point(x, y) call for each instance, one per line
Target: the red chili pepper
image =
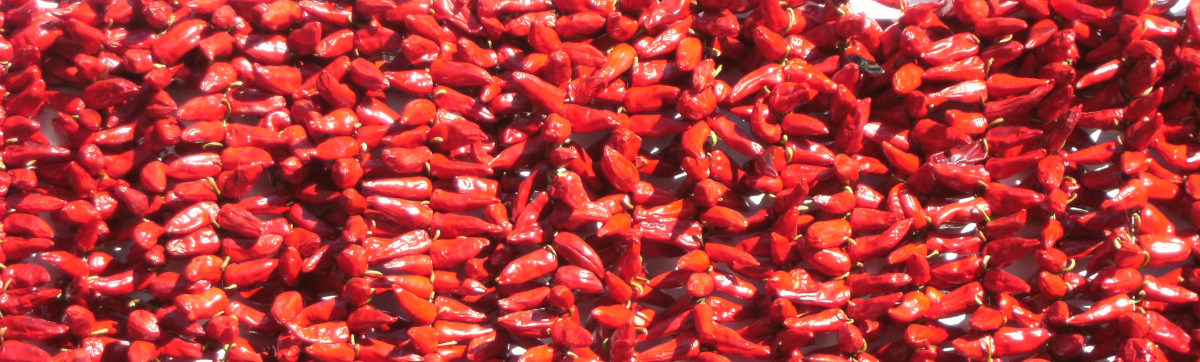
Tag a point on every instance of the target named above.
point(483, 140)
point(1171, 293)
point(535, 264)
point(1105, 310)
point(202, 305)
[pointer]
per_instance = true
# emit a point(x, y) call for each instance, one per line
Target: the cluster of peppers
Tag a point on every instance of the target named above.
point(647, 180)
